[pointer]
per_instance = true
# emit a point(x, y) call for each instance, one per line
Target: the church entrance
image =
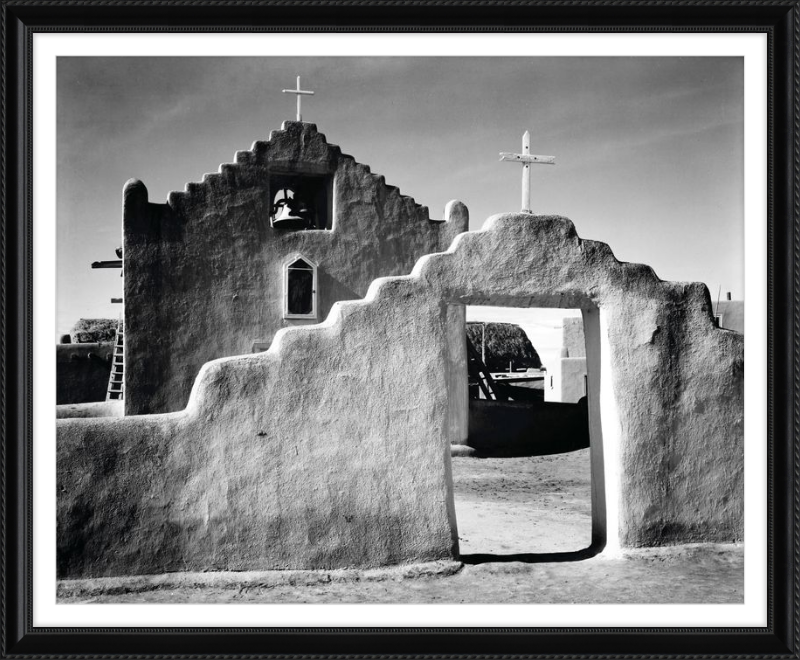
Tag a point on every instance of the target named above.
point(523, 482)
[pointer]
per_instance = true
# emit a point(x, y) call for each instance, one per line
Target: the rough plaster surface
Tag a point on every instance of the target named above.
point(731, 314)
point(573, 379)
point(110, 408)
point(79, 377)
point(572, 337)
point(299, 457)
point(244, 581)
point(204, 272)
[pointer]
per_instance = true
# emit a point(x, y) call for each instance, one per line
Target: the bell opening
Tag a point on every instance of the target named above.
point(300, 202)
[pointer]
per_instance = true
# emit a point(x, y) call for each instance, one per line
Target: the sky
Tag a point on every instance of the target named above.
point(649, 150)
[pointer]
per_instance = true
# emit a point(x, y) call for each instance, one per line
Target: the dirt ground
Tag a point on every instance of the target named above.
point(524, 527)
point(533, 504)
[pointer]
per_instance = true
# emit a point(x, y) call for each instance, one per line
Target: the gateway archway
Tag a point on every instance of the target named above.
point(508, 421)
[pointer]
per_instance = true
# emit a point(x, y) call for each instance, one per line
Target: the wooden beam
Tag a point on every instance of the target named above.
point(527, 158)
point(107, 264)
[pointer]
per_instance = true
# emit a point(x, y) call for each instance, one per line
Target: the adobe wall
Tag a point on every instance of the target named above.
point(300, 458)
point(79, 377)
point(572, 337)
point(297, 457)
point(567, 376)
point(565, 381)
point(203, 272)
point(527, 428)
point(670, 383)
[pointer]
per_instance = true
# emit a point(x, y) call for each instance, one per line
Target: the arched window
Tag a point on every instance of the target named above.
point(300, 288)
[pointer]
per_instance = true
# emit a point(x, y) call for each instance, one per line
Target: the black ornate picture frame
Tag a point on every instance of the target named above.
point(778, 19)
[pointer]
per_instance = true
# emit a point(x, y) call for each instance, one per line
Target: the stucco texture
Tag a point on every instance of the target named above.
point(572, 337)
point(204, 272)
point(300, 457)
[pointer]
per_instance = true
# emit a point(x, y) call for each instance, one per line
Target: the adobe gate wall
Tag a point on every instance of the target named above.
point(82, 372)
point(204, 272)
point(300, 458)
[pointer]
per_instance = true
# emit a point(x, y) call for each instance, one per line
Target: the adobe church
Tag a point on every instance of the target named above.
point(269, 242)
point(296, 373)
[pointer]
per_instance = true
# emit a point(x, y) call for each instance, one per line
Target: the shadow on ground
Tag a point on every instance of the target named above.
point(531, 557)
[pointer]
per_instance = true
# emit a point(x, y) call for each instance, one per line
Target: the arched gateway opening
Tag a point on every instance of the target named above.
point(602, 421)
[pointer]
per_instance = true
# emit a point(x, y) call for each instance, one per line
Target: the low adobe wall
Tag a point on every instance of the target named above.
point(523, 428)
point(299, 457)
point(110, 408)
point(82, 372)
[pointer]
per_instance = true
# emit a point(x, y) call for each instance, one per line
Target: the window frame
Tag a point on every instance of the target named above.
point(287, 263)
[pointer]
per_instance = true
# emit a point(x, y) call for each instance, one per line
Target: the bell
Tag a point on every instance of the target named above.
point(286, 217)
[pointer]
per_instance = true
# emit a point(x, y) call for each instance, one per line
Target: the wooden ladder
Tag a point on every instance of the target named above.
point(478, 371)
point(116, 384)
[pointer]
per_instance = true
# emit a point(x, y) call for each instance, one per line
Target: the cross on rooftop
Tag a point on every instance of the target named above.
point(300, 93)
point(526, 159)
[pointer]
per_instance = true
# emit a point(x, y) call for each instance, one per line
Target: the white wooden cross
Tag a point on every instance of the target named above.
point(299, 93)
point(526, 159)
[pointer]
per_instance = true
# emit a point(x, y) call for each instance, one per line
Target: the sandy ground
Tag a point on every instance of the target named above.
point(524, 527)
point(533, 504)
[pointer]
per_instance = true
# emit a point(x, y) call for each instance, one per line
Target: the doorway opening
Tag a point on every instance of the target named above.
point(528, 476)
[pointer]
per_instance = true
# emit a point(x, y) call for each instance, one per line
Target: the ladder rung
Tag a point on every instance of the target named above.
point(116, 379)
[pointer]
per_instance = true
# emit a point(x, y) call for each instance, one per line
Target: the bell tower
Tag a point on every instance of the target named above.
point(300, 197)
point(300, 200)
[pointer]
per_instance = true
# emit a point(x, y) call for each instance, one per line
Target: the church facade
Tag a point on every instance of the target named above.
point(270, 241)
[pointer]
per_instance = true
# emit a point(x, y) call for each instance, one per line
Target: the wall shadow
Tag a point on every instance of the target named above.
point(533, 557)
